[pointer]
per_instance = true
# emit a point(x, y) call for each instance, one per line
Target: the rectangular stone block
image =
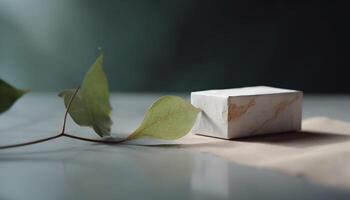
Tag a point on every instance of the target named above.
point(248, 111)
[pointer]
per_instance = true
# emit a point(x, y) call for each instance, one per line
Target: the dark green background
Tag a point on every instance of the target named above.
point(181, 45)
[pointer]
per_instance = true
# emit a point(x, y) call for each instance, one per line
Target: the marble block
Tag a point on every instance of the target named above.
point(248, 111)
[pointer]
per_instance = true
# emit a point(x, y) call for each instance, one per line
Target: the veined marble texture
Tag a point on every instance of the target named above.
point(243, 112)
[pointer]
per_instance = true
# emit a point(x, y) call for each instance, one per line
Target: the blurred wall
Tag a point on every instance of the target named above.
point(182, 45)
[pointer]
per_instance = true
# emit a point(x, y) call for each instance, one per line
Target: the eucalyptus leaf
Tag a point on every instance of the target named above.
point(169, 118)
point(9, 95)
point(91, 106)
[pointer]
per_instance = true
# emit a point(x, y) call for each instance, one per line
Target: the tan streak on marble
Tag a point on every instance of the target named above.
point(236, 111)
point(280, 107)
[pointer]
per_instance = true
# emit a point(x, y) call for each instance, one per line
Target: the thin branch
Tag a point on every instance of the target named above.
point(95, 140)
point(48, 138)
point(65, 134)
point(67, 110)
point(31, 142)
point(82, 138)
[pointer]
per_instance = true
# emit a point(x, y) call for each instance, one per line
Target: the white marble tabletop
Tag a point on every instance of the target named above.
point(69, 169)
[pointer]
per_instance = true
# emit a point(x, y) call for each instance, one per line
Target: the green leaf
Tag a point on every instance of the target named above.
point(169, 118)
point(9, 95)
point(91, 106)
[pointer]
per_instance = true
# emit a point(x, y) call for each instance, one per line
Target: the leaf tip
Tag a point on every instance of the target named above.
point(26, 90)
point(61, 94)
point(23, 92)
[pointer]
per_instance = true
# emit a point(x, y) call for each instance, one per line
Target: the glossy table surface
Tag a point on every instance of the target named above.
point(69, 169)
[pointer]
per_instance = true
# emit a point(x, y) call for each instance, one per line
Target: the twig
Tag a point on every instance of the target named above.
point(32, 142)
point(95, 140)
point(63, 134)
point(67, 110)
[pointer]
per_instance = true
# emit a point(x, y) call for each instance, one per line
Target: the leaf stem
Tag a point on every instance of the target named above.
point(82, 138)
point(67, 110)
point(94, 140)
point(63, 134)
point(31, 142)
